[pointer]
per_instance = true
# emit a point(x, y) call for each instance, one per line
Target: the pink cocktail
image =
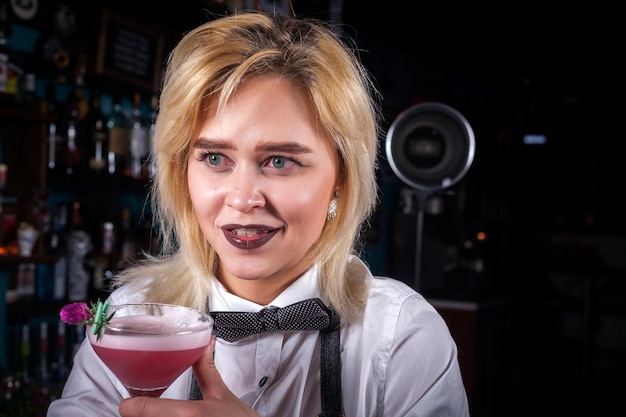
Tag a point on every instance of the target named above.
point(147, 346)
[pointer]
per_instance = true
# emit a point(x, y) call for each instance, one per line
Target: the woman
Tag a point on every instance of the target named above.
point(266, 148)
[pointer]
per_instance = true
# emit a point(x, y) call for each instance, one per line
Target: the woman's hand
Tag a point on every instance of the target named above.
point(218, 399)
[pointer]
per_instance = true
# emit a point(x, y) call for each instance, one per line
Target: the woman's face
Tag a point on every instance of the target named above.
point(260, 177)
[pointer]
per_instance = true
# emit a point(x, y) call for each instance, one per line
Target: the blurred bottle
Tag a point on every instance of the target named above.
point(119, 127)
point(128, 240)
point(4, 169)
point(70, 133)
point(96, 133)
point(56, 162)
point(79, 247)
point(43, 352)
point(25, 354)
point(139, 140)
point(56, 246)
point(28, 90)
point(104, 258)
point(61, 351)
point(10, 69)
point(4, 47)
point(154, 113)
point(4, 52)
point(26, 281)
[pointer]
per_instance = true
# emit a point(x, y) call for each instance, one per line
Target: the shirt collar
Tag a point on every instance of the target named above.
point(303, 288)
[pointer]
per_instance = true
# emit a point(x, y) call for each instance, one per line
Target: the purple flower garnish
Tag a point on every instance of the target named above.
point(96, 315)
point(75, 313)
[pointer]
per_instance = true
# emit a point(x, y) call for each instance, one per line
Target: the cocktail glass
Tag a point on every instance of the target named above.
point(147, 346)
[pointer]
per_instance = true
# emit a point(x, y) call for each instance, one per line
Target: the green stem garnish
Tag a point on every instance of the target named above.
point(96, 315)
point(100, 318)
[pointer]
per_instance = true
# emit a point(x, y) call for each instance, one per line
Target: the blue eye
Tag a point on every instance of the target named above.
point(278, 162)
point(214, 158)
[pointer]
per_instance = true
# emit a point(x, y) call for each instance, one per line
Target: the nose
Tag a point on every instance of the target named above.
point(245, 194)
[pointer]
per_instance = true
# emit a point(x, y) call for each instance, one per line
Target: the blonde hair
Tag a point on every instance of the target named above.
point(210, 61)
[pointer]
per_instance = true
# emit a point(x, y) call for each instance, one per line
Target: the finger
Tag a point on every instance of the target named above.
point(208, 377)
point(218, 398)
point(146, 406)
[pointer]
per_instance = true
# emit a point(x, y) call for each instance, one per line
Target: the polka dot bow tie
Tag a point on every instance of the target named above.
point(311, 314)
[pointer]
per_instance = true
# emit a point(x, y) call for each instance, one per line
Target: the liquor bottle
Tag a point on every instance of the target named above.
point(70, 134)
point(128, 242)
point(52, 146)
point(10, 72)
point(79, 247)
point(27, 92)
point(61, 351)
point(26, 281)
point(4, 51)
point(139, 140)
point(96, 133)
point(104, 258)
point(43, 352)
point(118, 127)
point(4, 168)
point(154, 109)
point(25, 353)
point(3, 176)
point(56, 246)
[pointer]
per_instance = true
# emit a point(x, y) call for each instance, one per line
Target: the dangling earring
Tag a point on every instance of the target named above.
point(332, 207)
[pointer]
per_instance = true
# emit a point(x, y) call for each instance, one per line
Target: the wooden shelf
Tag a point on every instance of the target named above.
point(34, 112)
point(24, 310)
point(8, 260)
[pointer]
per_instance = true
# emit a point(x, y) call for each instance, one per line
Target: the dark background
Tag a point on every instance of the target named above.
point(541, 298)
point(550, 299)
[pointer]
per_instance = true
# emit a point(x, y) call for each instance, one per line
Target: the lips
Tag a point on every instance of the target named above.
point(248, 237)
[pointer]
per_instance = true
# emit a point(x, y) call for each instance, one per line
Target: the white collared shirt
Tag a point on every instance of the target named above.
point(400, 361)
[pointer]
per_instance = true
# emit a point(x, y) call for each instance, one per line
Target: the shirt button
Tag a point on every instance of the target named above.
point(262, 381)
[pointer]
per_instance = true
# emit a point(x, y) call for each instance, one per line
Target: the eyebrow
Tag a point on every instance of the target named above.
point(289, 147)
point(205, 143)
point(285, 147)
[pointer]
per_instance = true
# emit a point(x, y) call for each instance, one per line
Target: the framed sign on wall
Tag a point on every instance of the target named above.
point(129, 52)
